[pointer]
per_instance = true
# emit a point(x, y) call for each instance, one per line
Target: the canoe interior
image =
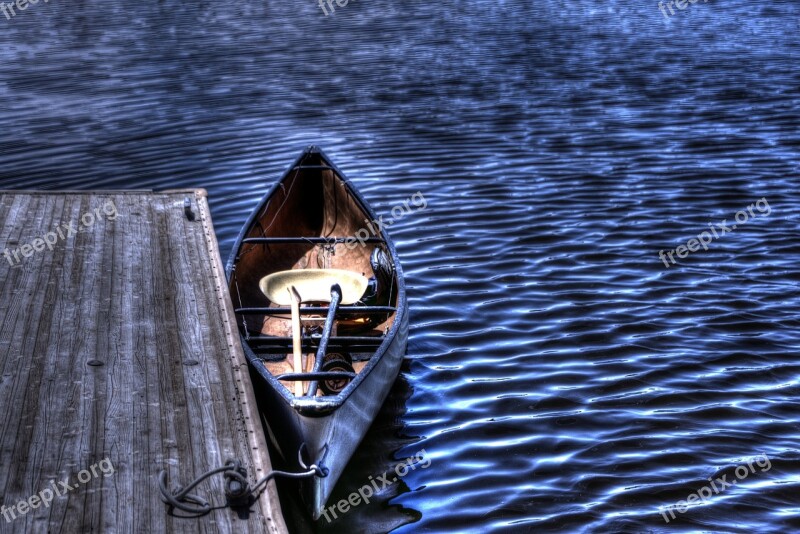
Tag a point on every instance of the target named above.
point(311, 201)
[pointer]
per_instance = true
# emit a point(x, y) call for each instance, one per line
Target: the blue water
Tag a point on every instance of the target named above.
point(559, 377)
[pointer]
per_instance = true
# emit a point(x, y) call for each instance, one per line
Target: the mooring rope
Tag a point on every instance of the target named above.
point(238, 492)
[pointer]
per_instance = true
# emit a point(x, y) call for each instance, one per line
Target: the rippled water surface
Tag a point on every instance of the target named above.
point(559, 377)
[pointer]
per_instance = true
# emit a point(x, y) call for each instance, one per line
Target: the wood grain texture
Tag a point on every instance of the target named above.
point(144, 296)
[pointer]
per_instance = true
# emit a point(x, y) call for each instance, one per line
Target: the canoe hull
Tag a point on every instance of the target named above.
point(327, 428)
point(331, 438)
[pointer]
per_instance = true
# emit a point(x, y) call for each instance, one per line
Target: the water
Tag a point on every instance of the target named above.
point(559, 378)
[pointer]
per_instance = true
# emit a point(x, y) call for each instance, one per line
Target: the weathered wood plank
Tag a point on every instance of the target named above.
point(117, 351)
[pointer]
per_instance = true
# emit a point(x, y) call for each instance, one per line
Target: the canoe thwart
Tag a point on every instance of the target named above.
point(312, 167)
point(310, 240)
point(266, 345)
point(342, 341)
point(349, 310)
point(322, 375)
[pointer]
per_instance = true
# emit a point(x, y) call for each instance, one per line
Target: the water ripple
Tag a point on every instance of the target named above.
point(560, 377)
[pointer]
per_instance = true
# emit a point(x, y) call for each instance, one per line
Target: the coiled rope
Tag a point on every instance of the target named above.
point(238, 492)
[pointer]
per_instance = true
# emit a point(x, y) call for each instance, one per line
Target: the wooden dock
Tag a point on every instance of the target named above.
point(119, 357)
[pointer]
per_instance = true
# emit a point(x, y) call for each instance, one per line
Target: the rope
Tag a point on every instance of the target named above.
point(394, 275)
point(285, 198)
point(335, 207)
point(266, 206)
point(237, 489)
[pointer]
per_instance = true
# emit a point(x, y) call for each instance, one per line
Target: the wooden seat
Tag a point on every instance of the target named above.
point(313, 285)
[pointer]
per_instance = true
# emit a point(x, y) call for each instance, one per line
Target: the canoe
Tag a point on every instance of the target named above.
point(320, 304)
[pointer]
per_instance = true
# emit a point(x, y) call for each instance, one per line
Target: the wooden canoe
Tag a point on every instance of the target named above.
point(307, 222)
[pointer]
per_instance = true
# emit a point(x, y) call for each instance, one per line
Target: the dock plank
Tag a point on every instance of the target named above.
point(117, 346)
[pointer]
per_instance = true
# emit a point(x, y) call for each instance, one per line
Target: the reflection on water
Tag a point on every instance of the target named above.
point(559, 377)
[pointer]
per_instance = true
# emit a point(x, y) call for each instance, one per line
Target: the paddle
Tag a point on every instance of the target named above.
point(336, 297)
point(296, 346)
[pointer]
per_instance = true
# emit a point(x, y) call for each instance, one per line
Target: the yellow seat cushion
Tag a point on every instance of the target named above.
point(314, 285)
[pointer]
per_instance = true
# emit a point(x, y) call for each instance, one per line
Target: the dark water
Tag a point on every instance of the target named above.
point(559, 377)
